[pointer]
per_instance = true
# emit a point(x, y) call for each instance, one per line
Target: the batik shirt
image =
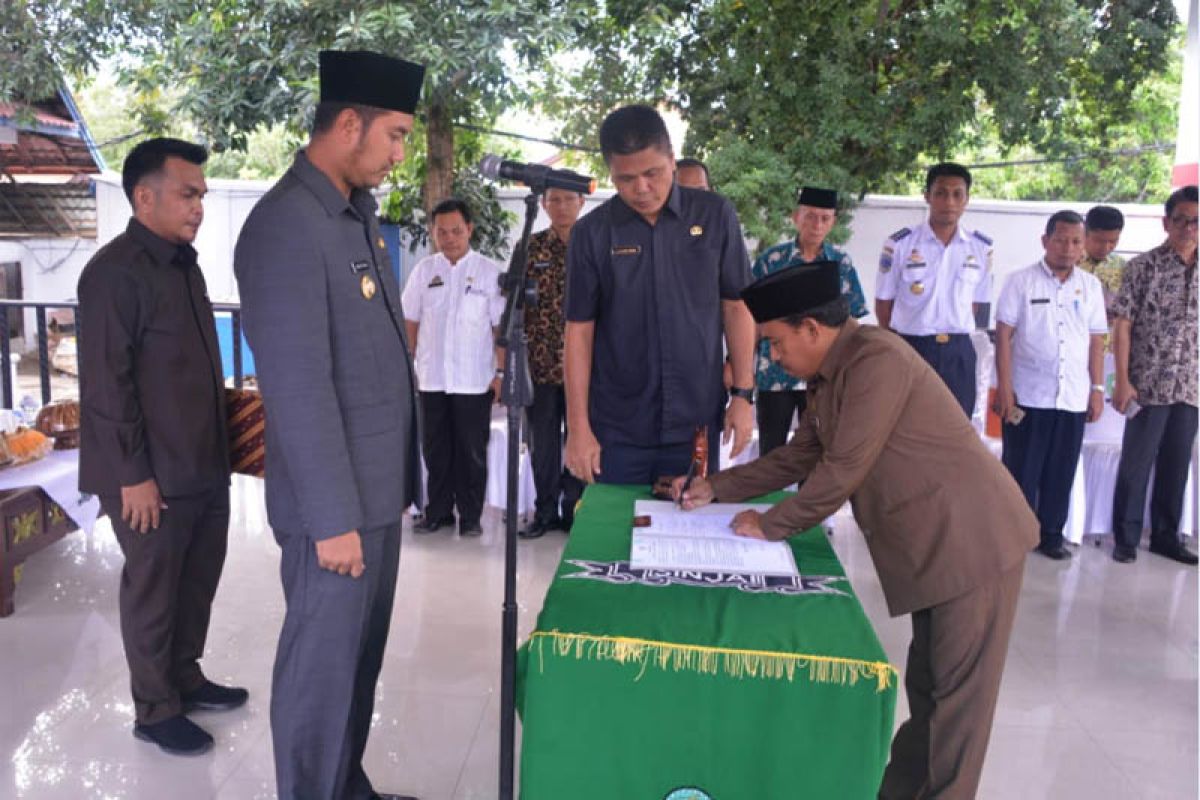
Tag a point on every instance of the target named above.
point(769, 376)
point(1158, 296)
point(544, 319)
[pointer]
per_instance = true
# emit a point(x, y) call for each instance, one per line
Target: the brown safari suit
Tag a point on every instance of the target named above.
point(947, 527)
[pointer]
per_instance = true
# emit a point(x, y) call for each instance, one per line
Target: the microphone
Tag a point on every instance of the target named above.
point(537, 177)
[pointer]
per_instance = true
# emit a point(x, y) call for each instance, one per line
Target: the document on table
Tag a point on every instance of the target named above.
point(702, 540)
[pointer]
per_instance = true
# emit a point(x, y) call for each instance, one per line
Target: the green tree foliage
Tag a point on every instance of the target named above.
point(854, 94)
point(857, 93)
point(492, 224)
point(41, 39)
point(244, 65)
point(1120, 162)
point(120, 117)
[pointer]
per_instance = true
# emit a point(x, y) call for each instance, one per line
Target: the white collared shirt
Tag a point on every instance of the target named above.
point(933, 285)
point(456, 306)
point(1053, 324)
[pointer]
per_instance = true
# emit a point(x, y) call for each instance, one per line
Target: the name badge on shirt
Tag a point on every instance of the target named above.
point(1037, 301)
point(359, 266)
point(972, 263)
point(627, 250)
point(436, 282)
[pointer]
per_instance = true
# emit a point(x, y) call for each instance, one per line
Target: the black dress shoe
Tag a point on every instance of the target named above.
point(565, 523)
point(1054, 552)
point(1176, 551)
point(470, 529)
point(213, 697)
point(1124, 555)
point(178, 736)
point(538, 528)
point(430, 525)
point(378, 796)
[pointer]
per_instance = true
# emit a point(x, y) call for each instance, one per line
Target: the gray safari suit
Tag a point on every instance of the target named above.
point(321, 309)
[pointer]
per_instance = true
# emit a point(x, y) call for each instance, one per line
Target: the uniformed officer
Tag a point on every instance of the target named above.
point(321, 307)
point(781, 396)
point(935, 278)
point(153, 443)
point(653, 281)
point(947, 527)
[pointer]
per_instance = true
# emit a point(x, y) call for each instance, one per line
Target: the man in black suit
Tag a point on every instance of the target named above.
point(153, 439)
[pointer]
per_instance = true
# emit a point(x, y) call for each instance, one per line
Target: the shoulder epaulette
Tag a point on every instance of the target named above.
point(900, 234)
point(981, 237)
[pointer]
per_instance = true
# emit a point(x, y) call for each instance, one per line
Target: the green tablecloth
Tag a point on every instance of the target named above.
point(636, 684)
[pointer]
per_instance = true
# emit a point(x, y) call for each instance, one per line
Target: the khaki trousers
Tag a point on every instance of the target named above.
point(952, 680)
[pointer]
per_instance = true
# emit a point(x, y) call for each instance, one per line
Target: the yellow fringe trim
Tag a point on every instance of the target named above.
point(737, 664)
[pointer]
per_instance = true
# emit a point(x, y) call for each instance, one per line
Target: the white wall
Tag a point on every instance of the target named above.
point(49, 271)
point(225, 209)
point(1015, 227)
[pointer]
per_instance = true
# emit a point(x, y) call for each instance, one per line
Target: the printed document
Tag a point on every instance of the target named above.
point(702, 540)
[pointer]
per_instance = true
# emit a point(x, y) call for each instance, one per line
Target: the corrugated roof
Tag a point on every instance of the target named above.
point(41, 116)
point(52, 139)
point(41, 210)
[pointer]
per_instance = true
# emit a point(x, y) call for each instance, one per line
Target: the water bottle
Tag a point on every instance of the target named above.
point(29, 410)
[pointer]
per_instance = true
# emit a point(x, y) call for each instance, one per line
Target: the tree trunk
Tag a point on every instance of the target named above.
point(439, 156)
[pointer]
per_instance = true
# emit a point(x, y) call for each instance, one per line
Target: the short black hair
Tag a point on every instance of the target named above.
point(832, 314)
point(1065, 217)
point(693, 162)
point(632, 129)
point(449, 206)
point(328, 112)
point(149, 156)
point(947, 169)
point(1185, 195)
point(1104, 218)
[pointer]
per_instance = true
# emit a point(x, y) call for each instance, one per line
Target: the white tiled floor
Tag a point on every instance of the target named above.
point(1099, 698)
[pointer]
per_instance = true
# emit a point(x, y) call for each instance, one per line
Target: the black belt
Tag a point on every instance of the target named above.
point(937, 338)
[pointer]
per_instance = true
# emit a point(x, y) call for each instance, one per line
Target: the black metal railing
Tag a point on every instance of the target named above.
point(43, 345)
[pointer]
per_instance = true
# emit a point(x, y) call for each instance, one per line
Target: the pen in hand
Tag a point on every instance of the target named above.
point(687, 482)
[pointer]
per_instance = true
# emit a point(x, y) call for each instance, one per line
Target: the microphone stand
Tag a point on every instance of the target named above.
point(516, 393)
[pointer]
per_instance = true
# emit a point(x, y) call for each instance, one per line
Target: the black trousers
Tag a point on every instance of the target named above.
point(547, 428)
point(954, 361)
point(1158, 437)
point(1042, 453)
point(167, 588)
point(327, 665)
point(643, 465)
point(454, 439)
point(774, 411)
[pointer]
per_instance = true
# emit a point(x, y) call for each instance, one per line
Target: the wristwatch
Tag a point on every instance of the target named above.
point(1098, 387)
point(745, 394)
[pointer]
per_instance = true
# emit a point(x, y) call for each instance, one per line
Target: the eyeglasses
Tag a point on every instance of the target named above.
point(1185, 222)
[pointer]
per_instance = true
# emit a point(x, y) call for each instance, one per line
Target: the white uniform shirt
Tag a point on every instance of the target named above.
point(933, 285)
point(1053, 324)
point(456, 307)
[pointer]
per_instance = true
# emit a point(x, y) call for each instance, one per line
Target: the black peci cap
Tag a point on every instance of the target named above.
point(370, 79)
point(817, 198)
point(793, 290)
